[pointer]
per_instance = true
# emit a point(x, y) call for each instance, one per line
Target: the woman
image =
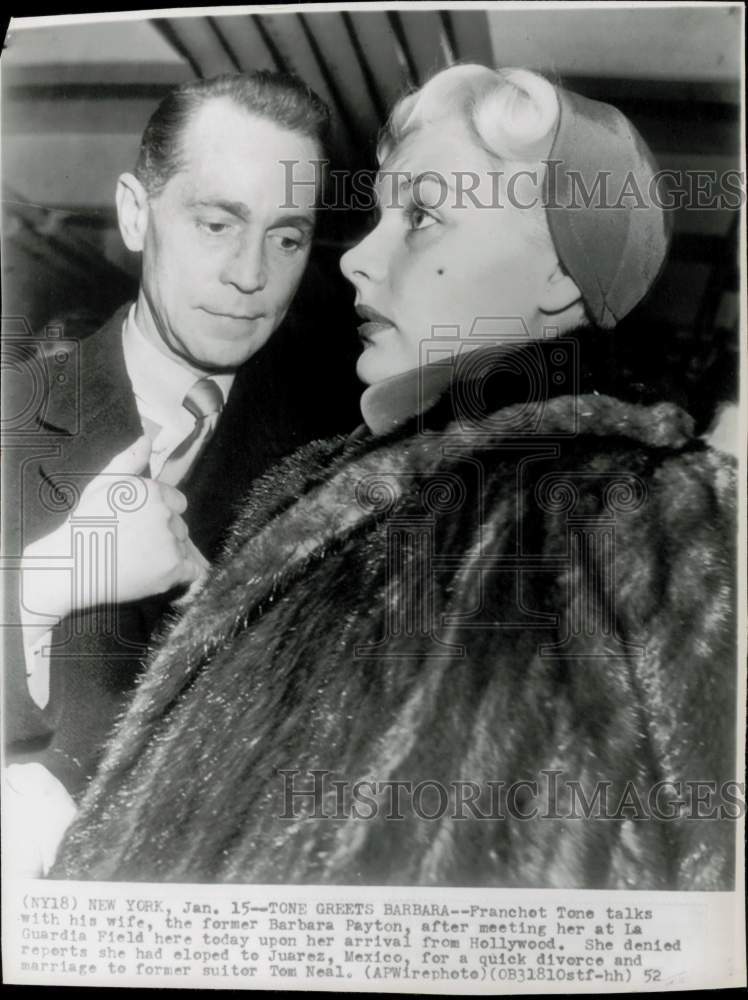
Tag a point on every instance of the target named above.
point(501, 611)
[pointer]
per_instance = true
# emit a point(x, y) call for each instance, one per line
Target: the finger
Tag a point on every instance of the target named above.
point(200, 567)
point(194, 588)
point(133, 460)
point(173, 498)
point(178, 528)
point(188, 572)
point(196, 555)
point(183, 570)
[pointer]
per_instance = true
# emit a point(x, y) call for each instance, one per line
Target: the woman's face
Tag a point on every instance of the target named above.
point(448, 250)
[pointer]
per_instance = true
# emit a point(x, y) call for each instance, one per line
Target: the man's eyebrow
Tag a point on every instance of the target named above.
point(237, 208)
point(302, 221)
point(242, 211)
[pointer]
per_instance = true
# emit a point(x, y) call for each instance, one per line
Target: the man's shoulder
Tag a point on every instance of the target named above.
point(77, 369)
point(82, 331)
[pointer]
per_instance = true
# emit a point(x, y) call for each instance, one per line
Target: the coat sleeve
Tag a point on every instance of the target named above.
point(675, 585)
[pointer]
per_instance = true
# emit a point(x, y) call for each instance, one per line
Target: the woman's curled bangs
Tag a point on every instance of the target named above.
point(512, 112)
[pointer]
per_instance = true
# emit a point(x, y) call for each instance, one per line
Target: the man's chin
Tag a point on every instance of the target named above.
point(220, 365)
point(227, 357)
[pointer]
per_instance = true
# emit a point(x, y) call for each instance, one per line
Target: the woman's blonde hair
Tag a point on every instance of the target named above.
point(528, 124)
point(513, 113)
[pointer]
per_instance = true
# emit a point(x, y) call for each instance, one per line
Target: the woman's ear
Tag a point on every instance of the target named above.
point(559, 292)
point(132, 211)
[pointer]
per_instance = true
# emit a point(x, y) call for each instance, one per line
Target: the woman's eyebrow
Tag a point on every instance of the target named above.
point(391, 184)
point(406, 183)
point(433, 177)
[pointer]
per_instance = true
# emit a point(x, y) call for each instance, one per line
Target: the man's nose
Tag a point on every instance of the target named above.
point(247, 268)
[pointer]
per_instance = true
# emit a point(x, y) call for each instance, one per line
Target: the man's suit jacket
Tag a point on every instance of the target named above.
point(81, 424)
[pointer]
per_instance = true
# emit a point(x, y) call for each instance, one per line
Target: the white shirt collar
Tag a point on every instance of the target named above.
point(159, 383)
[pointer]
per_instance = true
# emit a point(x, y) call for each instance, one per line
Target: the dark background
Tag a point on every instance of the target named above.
point(77, 96)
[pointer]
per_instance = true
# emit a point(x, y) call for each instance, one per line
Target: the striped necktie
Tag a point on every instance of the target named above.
point(204, 401)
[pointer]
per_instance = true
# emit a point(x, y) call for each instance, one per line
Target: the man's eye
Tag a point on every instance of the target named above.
point(213, 228)
point(288, 242)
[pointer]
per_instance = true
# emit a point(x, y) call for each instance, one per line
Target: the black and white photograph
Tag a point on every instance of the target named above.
point(373, 497)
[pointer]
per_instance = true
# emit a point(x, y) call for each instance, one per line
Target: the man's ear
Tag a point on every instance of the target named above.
point(132, 211)
point(559, 292)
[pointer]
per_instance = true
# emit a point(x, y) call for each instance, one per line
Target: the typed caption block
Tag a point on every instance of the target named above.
point(346, 938)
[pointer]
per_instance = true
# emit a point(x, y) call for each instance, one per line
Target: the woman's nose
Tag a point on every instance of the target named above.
point(365, 260)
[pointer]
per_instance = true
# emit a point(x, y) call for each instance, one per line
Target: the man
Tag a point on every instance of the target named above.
point(164, 409)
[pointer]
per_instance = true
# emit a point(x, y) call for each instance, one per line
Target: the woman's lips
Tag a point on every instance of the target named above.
point(367, 331)
point(374, 322)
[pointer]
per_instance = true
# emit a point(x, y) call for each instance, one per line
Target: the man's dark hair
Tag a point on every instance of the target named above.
point(277, 97)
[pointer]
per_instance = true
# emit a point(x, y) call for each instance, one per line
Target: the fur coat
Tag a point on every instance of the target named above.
point(525, 609)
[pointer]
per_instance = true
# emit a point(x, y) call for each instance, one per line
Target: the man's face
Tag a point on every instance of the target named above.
point(221, 258)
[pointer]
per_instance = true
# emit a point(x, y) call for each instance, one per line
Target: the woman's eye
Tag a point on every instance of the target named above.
point(419, 218)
